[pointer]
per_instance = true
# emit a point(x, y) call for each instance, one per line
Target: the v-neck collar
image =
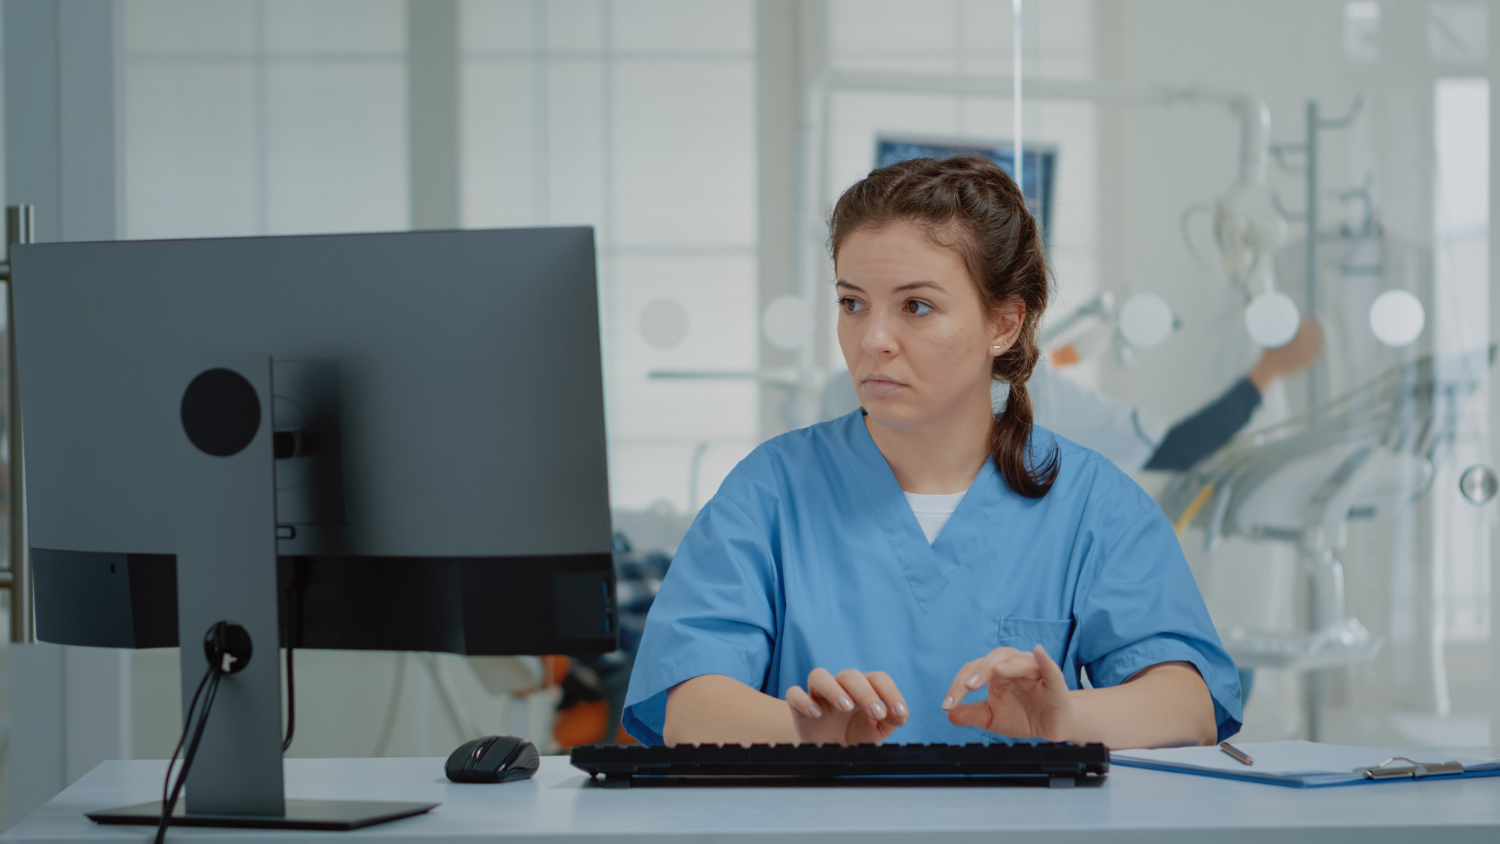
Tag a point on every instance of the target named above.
point(927, 567)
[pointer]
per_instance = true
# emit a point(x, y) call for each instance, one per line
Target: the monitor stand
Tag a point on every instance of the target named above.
point(328, 815)
point(226, 570)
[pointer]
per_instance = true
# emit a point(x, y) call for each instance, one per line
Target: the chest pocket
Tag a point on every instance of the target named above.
point(1023, 634)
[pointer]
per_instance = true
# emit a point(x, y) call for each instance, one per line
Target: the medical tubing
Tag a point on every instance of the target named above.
point(1191, 511)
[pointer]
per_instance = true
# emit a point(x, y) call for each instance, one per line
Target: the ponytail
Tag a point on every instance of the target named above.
point(1010, 435)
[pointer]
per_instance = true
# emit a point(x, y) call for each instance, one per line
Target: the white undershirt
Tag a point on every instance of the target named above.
point(933, 511)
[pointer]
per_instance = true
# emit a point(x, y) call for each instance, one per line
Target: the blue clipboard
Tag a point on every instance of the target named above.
point(1304, 764)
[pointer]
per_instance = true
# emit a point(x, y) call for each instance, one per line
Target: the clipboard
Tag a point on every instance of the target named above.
point(1305, 764)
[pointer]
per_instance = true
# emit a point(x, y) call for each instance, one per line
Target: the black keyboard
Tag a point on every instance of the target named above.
point(1020, 763)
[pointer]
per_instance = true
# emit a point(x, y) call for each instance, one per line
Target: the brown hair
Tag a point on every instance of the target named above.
point(970, 205)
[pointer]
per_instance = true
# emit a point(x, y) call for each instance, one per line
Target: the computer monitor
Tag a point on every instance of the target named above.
point(368, 441)
point(1036, 176)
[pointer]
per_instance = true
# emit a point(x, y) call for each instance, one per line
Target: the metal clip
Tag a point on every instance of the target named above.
point(1412, 769)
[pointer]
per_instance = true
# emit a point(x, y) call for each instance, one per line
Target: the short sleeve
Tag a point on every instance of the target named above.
point(715, 614)
point(1144, 608)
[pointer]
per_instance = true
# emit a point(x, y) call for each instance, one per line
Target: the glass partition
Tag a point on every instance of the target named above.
point(1258, 165)
point(1272, 218)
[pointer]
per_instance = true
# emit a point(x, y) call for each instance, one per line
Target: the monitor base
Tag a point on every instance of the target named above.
point(300, 814)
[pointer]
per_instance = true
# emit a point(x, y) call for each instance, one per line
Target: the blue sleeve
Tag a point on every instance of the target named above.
point(1144, 608)
point(715, 614)
point(1206, 431)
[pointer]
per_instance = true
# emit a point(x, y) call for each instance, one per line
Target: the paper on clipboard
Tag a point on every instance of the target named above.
point(1299, 763)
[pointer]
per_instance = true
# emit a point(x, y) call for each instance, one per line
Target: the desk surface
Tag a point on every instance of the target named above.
point(560, 805)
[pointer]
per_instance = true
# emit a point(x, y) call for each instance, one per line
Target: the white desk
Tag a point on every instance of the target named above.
point(560, 806)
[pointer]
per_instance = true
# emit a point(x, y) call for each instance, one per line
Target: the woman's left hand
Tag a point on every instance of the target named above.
point(1028, 696)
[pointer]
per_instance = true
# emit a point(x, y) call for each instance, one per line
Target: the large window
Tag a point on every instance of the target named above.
point(264, 117)
point(248, 117)
point(638, 119)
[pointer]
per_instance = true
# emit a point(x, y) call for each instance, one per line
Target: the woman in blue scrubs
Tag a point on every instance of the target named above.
point(923, 570)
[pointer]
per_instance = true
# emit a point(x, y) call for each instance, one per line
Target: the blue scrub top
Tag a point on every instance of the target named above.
point(810, 556)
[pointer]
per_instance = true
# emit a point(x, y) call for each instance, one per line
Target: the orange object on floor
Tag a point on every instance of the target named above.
point(583, 723)
point(554, 669)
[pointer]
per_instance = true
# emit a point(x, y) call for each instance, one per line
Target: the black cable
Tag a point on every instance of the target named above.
point(291, 687)
point(212, 678)
point(187, 727)
point(291, 703)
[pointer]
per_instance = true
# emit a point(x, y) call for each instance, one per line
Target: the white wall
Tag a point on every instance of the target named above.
point(267, 117)
point(639, 119)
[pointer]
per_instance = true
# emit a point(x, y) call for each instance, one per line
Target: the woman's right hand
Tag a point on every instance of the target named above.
point(854, 707)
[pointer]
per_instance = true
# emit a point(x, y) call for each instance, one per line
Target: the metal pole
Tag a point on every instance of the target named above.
point(1314, 692)
point(1016, 25)
point(1314, 123)
point(20, 227)
point(1314, 679)
point(1316, 388)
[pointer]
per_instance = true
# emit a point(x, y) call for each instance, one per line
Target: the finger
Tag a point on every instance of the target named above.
point(886, 688)
point(802, 703)
point(973, 675)
point(1019, 667)
point(1051, 672)
point(970, 715)
point(960, 687)
point(859, 688)
point(823, 686)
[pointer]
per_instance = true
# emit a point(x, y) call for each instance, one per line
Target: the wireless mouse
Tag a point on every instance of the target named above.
point(493, 759)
